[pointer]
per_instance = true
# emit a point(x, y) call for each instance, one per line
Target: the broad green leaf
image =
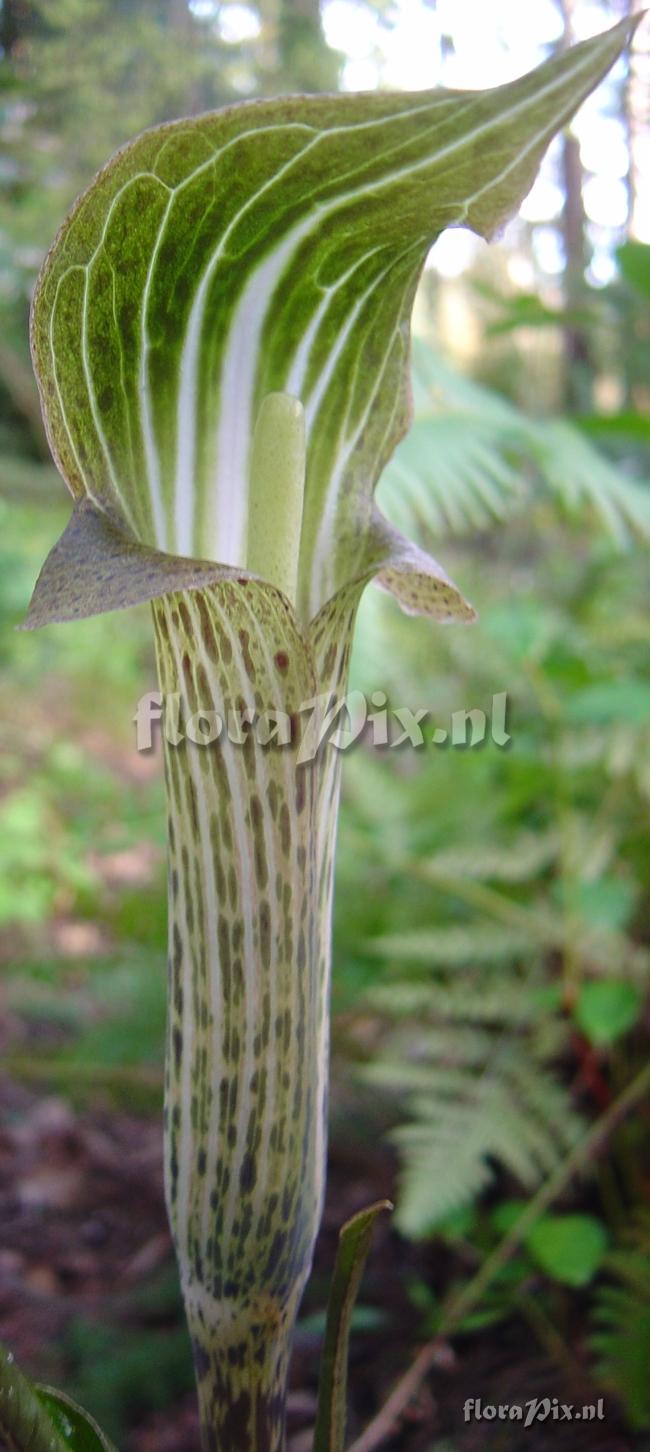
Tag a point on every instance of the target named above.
point(610, 701)
point(607, 1009)
point(570, 1248)
point(626, 425)
point(78, 1430)
point(634, 263)
point(41, 1419)
point(354, 1244)
point(602, 902)
point(268, 247)
point(506, 1214)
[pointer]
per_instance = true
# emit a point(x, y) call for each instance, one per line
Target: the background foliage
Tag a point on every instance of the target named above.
point(492, 919)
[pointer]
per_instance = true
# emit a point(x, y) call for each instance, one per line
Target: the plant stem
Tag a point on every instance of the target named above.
point(241, 1370)
point(548, 1336)
point(460, 1305)
point(251, 840)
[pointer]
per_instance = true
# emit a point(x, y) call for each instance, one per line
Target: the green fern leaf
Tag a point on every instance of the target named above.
point(447, 947)
point(472, 458)
point(480, 1091)
point(621, 1319)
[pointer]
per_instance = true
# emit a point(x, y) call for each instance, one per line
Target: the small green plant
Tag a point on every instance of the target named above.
point(503, 1027)
point(220, 335)
point(473, 459)
point(621, 1322)
point(478, 1083)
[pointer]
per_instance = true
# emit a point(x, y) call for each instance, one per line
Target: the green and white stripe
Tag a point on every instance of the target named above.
point(270, 247)
point(273, 246)
point(245, 1090)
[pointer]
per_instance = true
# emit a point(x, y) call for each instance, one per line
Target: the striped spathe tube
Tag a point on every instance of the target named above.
point(269, 250)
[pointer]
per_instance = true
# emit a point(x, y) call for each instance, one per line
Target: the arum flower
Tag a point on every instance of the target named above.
point(221, 335)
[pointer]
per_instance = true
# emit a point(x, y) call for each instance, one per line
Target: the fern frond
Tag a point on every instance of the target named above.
point(479, 1090)
point(621, 1318)
point(578, 475)
point(453, 946)
point(464, 1123)
point(471, 458)
point(486, 998)
point(450, 476)
point(520, 860)
point(417, 1054)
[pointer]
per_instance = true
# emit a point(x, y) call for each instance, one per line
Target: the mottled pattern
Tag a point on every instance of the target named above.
point(96, 566)
point(274, 246)
point(251, 837)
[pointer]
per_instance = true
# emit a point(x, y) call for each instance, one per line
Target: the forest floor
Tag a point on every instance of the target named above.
point(89, 1298)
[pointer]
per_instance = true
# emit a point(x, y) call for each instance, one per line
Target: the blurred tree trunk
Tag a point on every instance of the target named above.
point(305, 54)
point(577, 354)
point(632, 101)
point(182, 23)
point(628, 117)
point(15, 20)
point(293, 54)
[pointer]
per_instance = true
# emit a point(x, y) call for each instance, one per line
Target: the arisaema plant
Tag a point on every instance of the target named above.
point(221, 334)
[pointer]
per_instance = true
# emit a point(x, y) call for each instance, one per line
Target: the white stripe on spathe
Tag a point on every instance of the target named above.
point(229, 494)
point(152, 457)
point(288, 771)
point(233, 760)
point(228, 532)
point(186, 1167)
point(435, 107)
point(238, 788)
point(188, 378)
point(323, 562)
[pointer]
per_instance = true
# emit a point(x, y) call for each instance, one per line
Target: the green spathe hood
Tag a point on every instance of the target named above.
point(271, 246)
point(267, 249)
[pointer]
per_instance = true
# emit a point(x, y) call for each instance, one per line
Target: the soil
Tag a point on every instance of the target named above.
point(89, 1301)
